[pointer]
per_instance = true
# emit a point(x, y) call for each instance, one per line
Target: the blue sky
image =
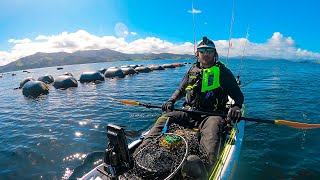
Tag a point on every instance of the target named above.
point(278, 29)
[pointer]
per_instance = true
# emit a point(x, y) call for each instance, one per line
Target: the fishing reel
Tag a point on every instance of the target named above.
point(117, 158)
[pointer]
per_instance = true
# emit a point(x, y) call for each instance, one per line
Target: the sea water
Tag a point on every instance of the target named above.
point(65, 131)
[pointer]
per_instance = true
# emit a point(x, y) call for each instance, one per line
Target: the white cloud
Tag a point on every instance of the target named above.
point(277, 46)
point(6, 57)
point(156, 45)
point(194, 11)
point(121, 30)
point(278, 40)
point(133, 33)
point(41, 37)
point(19, 41)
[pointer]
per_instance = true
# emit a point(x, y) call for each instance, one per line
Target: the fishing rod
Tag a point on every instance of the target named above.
point(243, 52)
point(230, 36)
point(194, 33)
point(242, 56)
point(289, 123)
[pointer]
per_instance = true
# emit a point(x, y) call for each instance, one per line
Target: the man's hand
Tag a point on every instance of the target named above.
point(168, 106)
point(234, 114)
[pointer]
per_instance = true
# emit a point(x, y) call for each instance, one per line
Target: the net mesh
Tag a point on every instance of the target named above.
point(159, 158)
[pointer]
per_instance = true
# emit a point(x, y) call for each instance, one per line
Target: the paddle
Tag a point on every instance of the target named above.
point(297, 125)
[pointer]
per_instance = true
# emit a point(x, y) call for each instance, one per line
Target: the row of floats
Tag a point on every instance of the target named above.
point(34, 88)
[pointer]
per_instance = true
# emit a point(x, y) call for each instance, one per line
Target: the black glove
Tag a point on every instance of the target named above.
point(168, 105)
point(234, 114)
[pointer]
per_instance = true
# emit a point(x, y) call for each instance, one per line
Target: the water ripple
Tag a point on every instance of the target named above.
point(49, 137)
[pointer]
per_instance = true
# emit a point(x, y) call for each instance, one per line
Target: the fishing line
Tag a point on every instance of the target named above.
point(243, 55)
point(230, 36)
point(246, 42)
point(194, 30)
point(194, 34)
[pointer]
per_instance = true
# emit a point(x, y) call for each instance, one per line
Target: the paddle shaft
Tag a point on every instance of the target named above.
point(212, 114)
point(293, 124)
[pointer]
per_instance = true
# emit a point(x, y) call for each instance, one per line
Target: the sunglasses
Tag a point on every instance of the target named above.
point(203, 50)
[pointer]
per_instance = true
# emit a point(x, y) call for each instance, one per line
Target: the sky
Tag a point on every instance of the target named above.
point(277, 29)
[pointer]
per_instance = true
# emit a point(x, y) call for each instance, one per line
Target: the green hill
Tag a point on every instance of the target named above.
point(40, 60)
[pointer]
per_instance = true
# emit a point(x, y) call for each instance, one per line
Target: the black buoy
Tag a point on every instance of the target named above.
point(65, 82)
point(35, 89)
point(142, 69)
point(155, 67)
point(114, 72)
point(91, 77)
point(129, 70)
point(48, 79)
point(25, 81)
point(168, 66)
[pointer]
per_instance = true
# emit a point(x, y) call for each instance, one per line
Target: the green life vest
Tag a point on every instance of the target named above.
point(204, 91)
point(210, 78)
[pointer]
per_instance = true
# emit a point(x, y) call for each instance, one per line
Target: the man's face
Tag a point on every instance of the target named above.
point(206, 56)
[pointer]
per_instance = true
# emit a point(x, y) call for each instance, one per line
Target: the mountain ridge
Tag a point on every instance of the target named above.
point(40, 59)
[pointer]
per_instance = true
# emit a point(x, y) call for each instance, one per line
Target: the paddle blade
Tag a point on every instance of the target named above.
point(127, 102)
point(296, 125)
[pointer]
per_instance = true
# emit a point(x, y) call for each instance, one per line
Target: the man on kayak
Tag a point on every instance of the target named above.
point(206, 87)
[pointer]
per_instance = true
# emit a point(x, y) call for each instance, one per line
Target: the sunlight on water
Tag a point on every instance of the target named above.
point(44, 136)
point(67, 174)
point(77, 156)
point(78, 134)
point(303, 139)
point(82, 123)
point(96, 126)
point(98, 162)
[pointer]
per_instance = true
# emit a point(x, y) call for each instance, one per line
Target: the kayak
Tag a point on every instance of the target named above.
point(223, 168)
point(96, 174)
point(229, 157)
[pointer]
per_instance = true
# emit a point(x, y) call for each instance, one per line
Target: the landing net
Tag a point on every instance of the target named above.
point(163, 156)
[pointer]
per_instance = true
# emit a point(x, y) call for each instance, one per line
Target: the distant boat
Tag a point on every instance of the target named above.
point(59, 68)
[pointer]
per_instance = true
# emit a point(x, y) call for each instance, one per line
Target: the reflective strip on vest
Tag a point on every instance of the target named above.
point(210, 79)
